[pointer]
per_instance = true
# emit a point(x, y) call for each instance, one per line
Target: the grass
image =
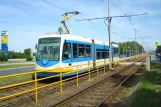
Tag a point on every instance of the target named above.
point(148, 93)
point(15, 66)
point(15, 80)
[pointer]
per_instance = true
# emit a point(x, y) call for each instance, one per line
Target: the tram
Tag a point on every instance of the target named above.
point(66, 51)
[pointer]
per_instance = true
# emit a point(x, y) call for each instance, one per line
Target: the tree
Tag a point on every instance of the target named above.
point(60, 30)
point(15, 55)
point(158, 49)
point(129, 45)
point(34, 54)
point(3, 57)
point(27, 52)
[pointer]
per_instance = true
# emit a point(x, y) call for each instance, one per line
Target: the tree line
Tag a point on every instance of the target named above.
point(130, 45)
point(18, 55)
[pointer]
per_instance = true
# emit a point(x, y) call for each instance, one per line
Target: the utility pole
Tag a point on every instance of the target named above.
point(109, 31)
point(142, 45)
point(142, 42)
point(135, 42)
point(109, 18)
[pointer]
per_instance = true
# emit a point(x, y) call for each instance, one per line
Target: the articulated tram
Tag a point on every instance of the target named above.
point(66, 51)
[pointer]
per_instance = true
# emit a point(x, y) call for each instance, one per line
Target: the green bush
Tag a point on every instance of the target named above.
point(29, 58)
point(3, 57)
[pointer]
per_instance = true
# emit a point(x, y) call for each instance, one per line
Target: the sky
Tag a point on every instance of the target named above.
point(27, 20)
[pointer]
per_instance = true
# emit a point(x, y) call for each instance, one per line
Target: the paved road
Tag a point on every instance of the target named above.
point(16, 70)
point(17, 63)
point(16, 60)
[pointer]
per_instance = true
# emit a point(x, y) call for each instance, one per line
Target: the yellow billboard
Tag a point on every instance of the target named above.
point(4, 39)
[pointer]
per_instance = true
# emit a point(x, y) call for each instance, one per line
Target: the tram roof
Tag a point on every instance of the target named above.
point(76, 38)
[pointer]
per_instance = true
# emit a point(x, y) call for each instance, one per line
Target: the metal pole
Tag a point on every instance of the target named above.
point(89, 71)
point(77, 77)
point(108, 9)
point(135, 41)
point(142, 38)
point(109, 24)
point(36, 93)
point(97, 69)
point(142, 45)
point(110, 47)
point(148, 63)
point(61, 82)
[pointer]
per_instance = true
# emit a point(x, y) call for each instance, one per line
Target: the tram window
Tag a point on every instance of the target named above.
point(106, 53)
point(98, 54)
point(81, 50)
point(75, 50)
point(67, 51)
point(115, 51)
point(103, 54)
point(88, 49)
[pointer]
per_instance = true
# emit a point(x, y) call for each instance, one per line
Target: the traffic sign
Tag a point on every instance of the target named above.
point(156, 43)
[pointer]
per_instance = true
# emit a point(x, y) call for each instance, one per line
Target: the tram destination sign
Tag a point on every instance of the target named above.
point(49, 40)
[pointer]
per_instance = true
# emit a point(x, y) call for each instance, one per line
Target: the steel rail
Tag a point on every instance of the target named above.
point(40, 87)
point(37, 88)
point(105, 99)
point(77, 94)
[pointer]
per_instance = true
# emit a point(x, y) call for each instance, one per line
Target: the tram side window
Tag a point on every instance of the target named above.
point(98, 54)
point(106, 53)
point(66, 51)
point(81, 50)
point(88, 50)
point(115, 51)
point(103, 54)
point(75, 55)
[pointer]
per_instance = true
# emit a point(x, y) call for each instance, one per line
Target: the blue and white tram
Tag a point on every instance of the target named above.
point(66, 51)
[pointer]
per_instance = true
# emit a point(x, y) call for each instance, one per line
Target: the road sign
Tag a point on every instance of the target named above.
point(4, 39)
point(4, 43)
point(156, 43)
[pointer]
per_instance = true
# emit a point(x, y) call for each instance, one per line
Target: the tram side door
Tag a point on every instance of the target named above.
point(93, 53)
point(66, 55)
point(112, 52)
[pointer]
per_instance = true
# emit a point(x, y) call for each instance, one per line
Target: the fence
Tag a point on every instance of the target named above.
point(96, 68)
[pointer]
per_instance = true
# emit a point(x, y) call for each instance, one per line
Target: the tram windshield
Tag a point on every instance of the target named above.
point(48, 48)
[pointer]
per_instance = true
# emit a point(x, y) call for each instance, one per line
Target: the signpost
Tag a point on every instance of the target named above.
point(4, 43)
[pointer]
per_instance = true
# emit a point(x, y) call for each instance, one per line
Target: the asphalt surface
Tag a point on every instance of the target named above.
point(16, 63)
point(16, 70)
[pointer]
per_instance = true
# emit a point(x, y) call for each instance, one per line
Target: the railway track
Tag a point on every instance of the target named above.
point(100, 92)
point(19, 100)
point(105, 101)
point(24, 99)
